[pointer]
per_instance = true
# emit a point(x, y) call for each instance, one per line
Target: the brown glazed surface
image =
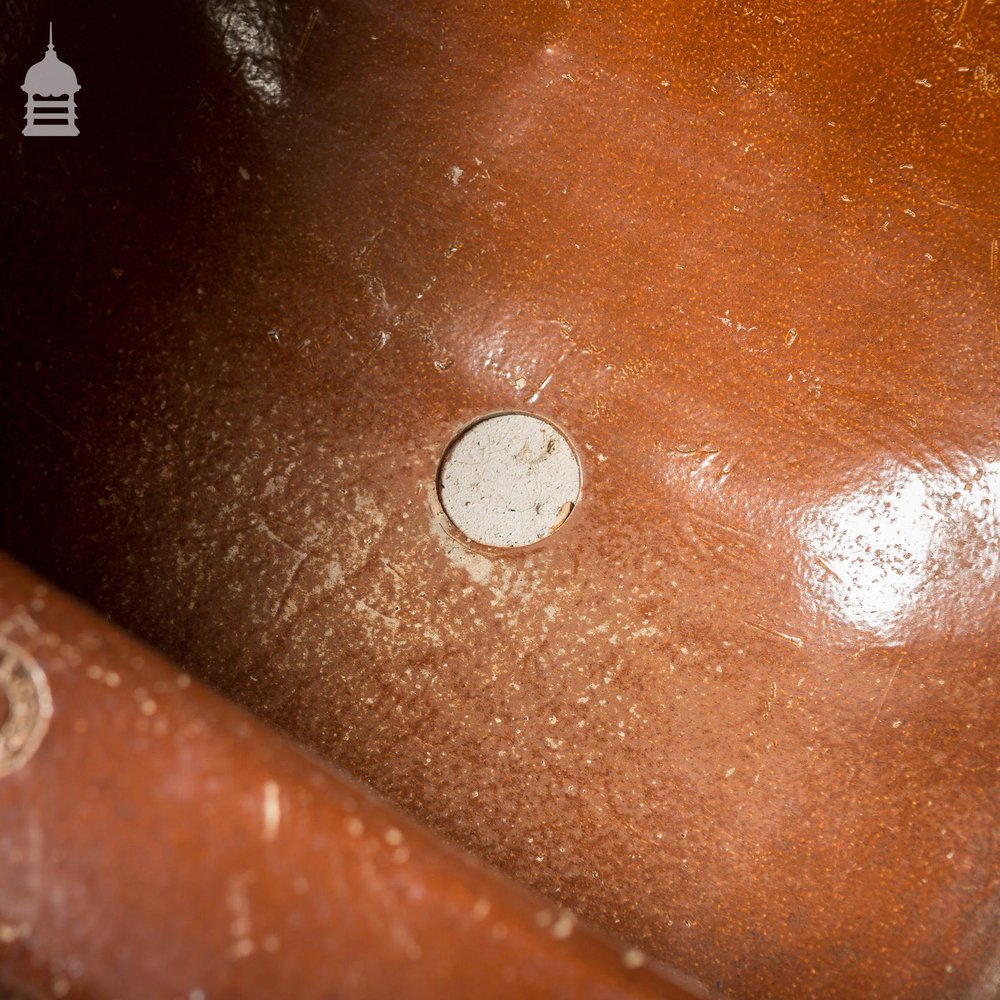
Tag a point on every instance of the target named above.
point(740, 709)
point(161, 843)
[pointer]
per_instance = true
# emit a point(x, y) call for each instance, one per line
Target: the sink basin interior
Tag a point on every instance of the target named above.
point(728, 694)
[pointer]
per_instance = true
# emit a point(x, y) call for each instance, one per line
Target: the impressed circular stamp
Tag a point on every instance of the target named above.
point(25, 707)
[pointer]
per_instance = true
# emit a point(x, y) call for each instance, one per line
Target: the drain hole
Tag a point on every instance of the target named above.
point(509, 480)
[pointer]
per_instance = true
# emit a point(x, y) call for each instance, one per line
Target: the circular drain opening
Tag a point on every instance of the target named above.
point(509, 480)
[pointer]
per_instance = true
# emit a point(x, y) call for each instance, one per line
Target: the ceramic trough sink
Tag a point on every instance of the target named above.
point(500, 500)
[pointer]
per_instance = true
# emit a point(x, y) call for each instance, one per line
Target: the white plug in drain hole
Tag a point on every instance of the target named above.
point(509, 480)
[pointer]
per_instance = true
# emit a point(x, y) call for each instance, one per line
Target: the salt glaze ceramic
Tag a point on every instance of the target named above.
point(738, 712)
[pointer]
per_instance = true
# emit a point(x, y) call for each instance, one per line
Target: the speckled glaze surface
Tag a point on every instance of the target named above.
point(740, 709)
point(161, 843)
